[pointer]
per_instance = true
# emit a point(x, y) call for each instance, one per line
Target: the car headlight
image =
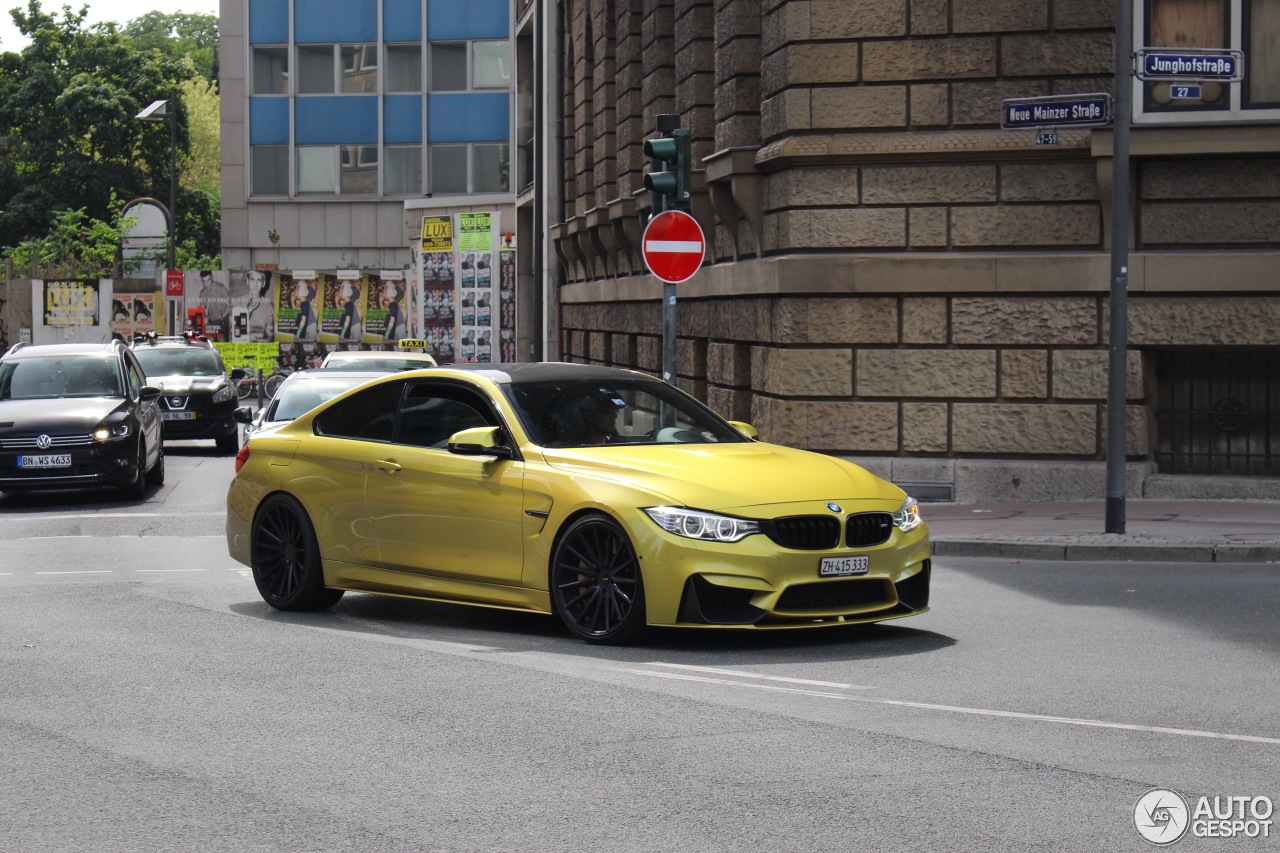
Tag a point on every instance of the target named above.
point(223, 394)
point(908, 518)
point(707, 526)
point(111, 432)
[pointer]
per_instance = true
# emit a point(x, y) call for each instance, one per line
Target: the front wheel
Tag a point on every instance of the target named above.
point(596, 587)
point(286, 557)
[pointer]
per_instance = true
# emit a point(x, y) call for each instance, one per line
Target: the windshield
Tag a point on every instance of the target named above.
point(179, 362)
point(63, 376)
point(296, 399)
point(579, 413)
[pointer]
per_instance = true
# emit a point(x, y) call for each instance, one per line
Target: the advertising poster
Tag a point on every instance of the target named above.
point(253, 304)
point(208, 303)
point(296, 306)
point(343, 312)
point(70, 303)
point(385, 320)
point(507, 306)
point(476, 292)
point(132, 313)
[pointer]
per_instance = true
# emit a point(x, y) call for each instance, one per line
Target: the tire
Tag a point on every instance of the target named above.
point(229, 443)
point(286, 557)
point(137, 489)
point(155, 477)
point(596, 586)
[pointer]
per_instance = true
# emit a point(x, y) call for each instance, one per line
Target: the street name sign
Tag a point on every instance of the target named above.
point(1164, 63)
point(1091, 110)
point(673, 246)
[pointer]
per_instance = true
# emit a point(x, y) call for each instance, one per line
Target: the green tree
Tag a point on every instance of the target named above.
point(69, 136)
point(178, 35)
point(76, 245)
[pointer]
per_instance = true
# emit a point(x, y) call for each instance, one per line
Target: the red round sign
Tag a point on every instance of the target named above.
point(673, 246)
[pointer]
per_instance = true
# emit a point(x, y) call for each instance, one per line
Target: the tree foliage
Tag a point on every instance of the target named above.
point(178, 35)
point(77, 245)
point(70, 142)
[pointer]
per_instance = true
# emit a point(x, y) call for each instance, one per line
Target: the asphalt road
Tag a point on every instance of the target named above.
point(149, 701)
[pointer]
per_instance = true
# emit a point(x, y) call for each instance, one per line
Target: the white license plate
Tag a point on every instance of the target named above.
point(838, 567)
point(177, 416)
point(48, 460)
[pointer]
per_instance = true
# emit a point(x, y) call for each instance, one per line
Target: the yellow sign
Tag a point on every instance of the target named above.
point(437, 234)
point(412, 343)
point(263, 356)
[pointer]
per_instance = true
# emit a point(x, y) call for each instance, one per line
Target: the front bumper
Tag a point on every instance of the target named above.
point(200, 419)
point(92, 464)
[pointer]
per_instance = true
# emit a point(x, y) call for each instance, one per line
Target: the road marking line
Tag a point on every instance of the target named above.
point(65, 516)
point(983, 712)
point(90, 572)
point(764, 677)
point(168, 570)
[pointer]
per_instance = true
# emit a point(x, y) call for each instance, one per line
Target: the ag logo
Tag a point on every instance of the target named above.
point(1161, 816)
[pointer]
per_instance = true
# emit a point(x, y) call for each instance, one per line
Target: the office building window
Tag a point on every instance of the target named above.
point(491, 168)
point(489, 66)
point(271, 71)
point(448, 169)
point(270, 169)
point(449, 66)
point(403, 169)
point(359, 170)
point(404, 68)
point(316, 169)
point(324, 69)
point(461, 66)
point(1250, 26)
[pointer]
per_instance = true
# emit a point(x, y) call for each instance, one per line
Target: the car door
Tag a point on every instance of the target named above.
point(439, 513)
point(148, 411)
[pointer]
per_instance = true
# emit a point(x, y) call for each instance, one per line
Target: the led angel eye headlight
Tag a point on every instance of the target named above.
point(111, 432)
point(908, 517)
point(703, 526)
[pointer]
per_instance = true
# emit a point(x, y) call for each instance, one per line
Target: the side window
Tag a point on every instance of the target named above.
point(430, 413)
point(133, 377)
point(369, 415)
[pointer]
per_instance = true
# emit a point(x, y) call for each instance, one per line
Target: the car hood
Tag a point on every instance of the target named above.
point(728, 477)
point(65, 415)
point(186, 384)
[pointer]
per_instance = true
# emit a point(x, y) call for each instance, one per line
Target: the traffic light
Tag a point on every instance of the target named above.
point(669, 171)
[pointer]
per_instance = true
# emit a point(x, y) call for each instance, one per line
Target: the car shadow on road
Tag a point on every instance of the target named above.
point(513, 631)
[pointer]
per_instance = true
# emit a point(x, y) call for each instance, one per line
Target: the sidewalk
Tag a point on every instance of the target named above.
point(1155, 531)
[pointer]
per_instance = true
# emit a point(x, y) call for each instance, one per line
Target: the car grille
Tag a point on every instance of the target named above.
point(833, 595)
point(867, 528)
point(29, 442)
point(805, 532)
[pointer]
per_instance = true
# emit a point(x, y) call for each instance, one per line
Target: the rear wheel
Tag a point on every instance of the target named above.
point(286, 558)
point(596, 587)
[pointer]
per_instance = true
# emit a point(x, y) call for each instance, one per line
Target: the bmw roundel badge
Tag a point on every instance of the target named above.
point(833, 507)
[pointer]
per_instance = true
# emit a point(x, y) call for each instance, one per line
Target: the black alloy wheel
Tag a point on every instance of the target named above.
point(155, 477)
point(286, 557)
point(136, 489)
point(596, 586)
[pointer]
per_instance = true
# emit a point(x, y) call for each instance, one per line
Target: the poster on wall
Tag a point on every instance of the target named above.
point(344, 308)
point(507, 305)
point(296, 306)
point(70, 303)
point(438, 281)
point(132, 314)
point(207, 299)
point(253, 304)
point(476, 292)
point(387, 314)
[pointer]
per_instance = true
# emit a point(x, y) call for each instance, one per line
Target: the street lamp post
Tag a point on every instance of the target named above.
point(160, 111)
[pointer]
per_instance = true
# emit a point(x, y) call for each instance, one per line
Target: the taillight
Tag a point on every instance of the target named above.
point(242, 457)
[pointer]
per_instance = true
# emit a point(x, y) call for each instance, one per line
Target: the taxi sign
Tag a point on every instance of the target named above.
point(412, 343)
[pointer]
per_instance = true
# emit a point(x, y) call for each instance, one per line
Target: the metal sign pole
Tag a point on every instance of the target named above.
point(668, 122)
point(1117, 383)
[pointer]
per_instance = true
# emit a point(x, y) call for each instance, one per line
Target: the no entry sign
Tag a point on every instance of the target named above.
point(673, 246)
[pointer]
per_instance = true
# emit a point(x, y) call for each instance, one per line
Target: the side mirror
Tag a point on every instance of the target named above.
point(242, 415)
point(479, 441)
point(150, 393)
point(237, 373)
point(746, 429)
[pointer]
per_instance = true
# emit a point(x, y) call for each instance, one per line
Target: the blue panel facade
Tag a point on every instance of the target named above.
point(474, 19)
point(268, 121)
point(339, 120)
point(470, 117)
point(334, 21)
point(402, 20)
point(402, 118)
point(268, 21)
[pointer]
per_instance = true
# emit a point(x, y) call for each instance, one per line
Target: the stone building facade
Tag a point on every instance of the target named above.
point(893, 278)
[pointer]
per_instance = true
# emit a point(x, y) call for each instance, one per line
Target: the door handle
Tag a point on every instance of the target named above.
point(390, 466)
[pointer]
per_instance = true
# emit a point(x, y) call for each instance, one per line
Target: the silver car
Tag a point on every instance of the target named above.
point(300, 393)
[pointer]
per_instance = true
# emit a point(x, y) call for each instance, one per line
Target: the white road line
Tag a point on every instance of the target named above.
point(168, 570)
point(90, 572)
point(983, 712)
point(836, 684)
point(66, 516)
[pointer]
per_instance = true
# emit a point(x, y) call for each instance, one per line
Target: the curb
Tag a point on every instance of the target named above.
point(1147, 552)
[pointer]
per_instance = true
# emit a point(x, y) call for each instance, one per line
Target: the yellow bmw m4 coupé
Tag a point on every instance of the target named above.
point(604, 496)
